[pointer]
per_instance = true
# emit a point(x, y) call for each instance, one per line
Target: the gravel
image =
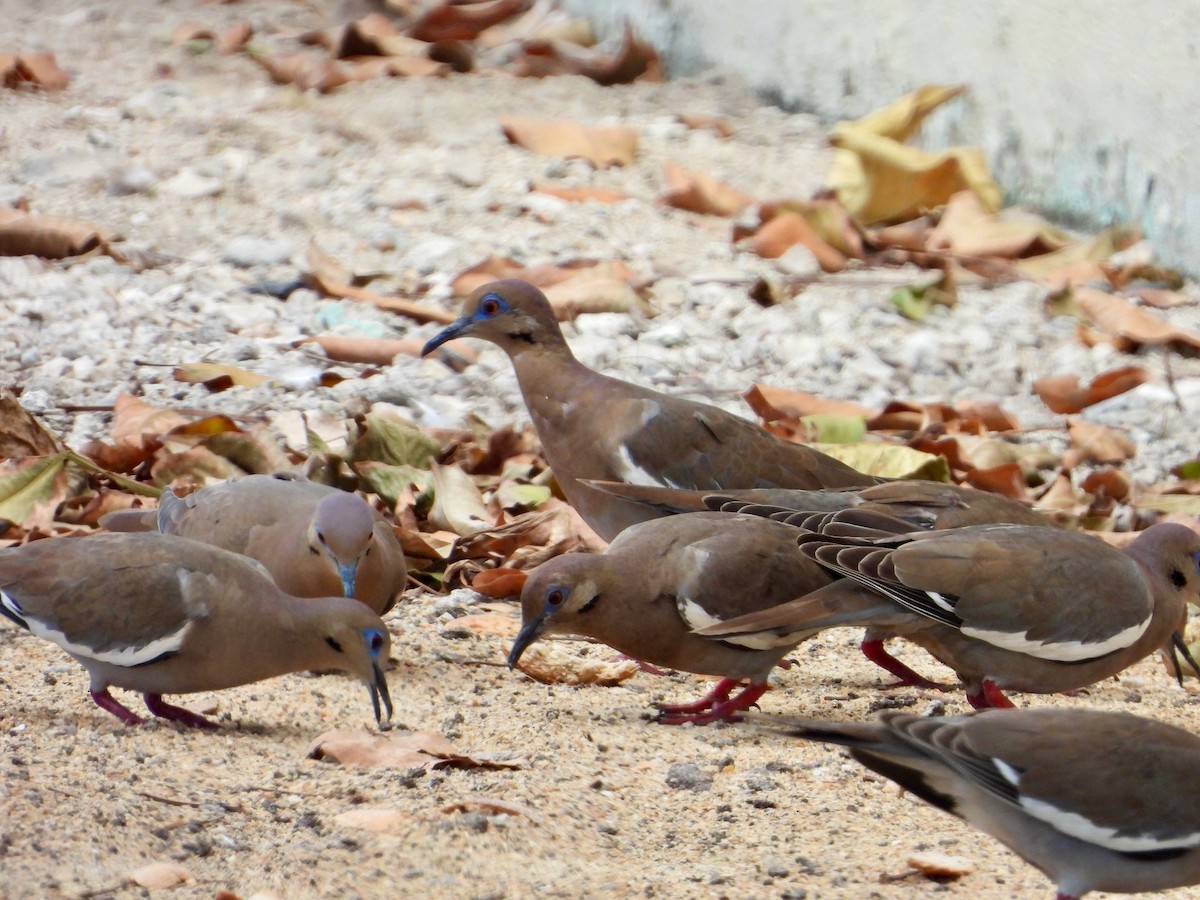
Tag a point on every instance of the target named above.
point(200, 159)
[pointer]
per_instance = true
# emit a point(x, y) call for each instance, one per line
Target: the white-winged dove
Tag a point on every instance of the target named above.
point(895, 506)
point(315, 540)
point(166, 615)
point(1098, 801)
point(661, 580)
point(596, 427)
point(1008, 607)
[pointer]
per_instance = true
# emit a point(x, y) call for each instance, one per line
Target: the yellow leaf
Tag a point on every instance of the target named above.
point(890, 460)
point(878, 178)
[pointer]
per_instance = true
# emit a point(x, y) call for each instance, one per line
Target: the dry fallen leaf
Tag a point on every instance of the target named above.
point(932, 864)
point(1064, 394)
point(772, 404)
point(1093, 442)
point(378, 820)
point(217, 377)
point(545, 56)
point(400, 750)
point(21, 434)
point(457, 504)
point(459, 22)
point(879, 178)
point(489, 624)
point(304, 70)
point(159, 875)
point(699, 192)
point(548, 664)
point(36, 69)
point(1129, 324)
point(969, 228)
point(497, 583)
point(601, 146)
point(588, 194)
point(50, 237)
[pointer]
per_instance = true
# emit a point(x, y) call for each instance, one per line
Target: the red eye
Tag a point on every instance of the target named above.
point(555, 597)
point(490, 306)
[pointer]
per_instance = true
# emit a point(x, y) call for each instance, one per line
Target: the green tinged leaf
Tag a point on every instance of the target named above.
point(1170, 503)
point(1190, 470)
point(387, 439)
point(829, 429)
point(915, 300)
point(34, 482)
point(514, 495)
point(390, 482)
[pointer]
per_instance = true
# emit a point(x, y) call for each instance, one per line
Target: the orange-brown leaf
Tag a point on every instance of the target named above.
point(459, 22)
point(699, 192)
point(1064, 394)
point(601, 146)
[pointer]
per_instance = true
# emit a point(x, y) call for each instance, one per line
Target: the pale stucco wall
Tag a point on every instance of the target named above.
point(1089, 109)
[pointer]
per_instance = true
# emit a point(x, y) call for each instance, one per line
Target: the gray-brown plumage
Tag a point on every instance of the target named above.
point(160, 615)
point(315, 540)
point(659, 581)
point(592, 426)
point(895, 507)
point(1098, 801)
point(922, 504)
point(1008, 607)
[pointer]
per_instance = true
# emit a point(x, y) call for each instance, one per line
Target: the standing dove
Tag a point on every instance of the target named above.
point(1008, 607)
point(160, 615)
point(315, 540)
point(592, 426)
point(895, 506)
point(1098, 801)
point(661, 580)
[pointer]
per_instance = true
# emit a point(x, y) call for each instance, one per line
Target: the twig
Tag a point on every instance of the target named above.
point(1170, 376)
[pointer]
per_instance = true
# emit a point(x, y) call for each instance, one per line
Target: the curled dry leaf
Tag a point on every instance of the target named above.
point(786, 230)
point(879, 179)
point(21, 434)
point(217, 377)
point(497, 583)
point(304, 70)
point(400, 750)
point(35, 69)
point(459, 22)
point(550, 665)
point(634, 59)
point(932, 864)
point(457, 504)
point(1128, 324)
point(601, 146)
point(969, 228)
point(1109, 482)
point(160, 875)
point(492, 806)
point(699, 192)
point(50, 237)
point(1064, 394)
point(1093, 442)
point(771, 404)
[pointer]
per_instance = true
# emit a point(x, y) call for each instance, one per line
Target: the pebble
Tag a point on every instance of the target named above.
point(191, 185)
point(134, 178)
point(247, 250)
point(688, 776)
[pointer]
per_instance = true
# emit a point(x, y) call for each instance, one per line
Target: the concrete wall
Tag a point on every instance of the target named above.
point(1088, 109)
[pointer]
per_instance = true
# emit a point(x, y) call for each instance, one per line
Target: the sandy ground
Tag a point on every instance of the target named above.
point(606, 803)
